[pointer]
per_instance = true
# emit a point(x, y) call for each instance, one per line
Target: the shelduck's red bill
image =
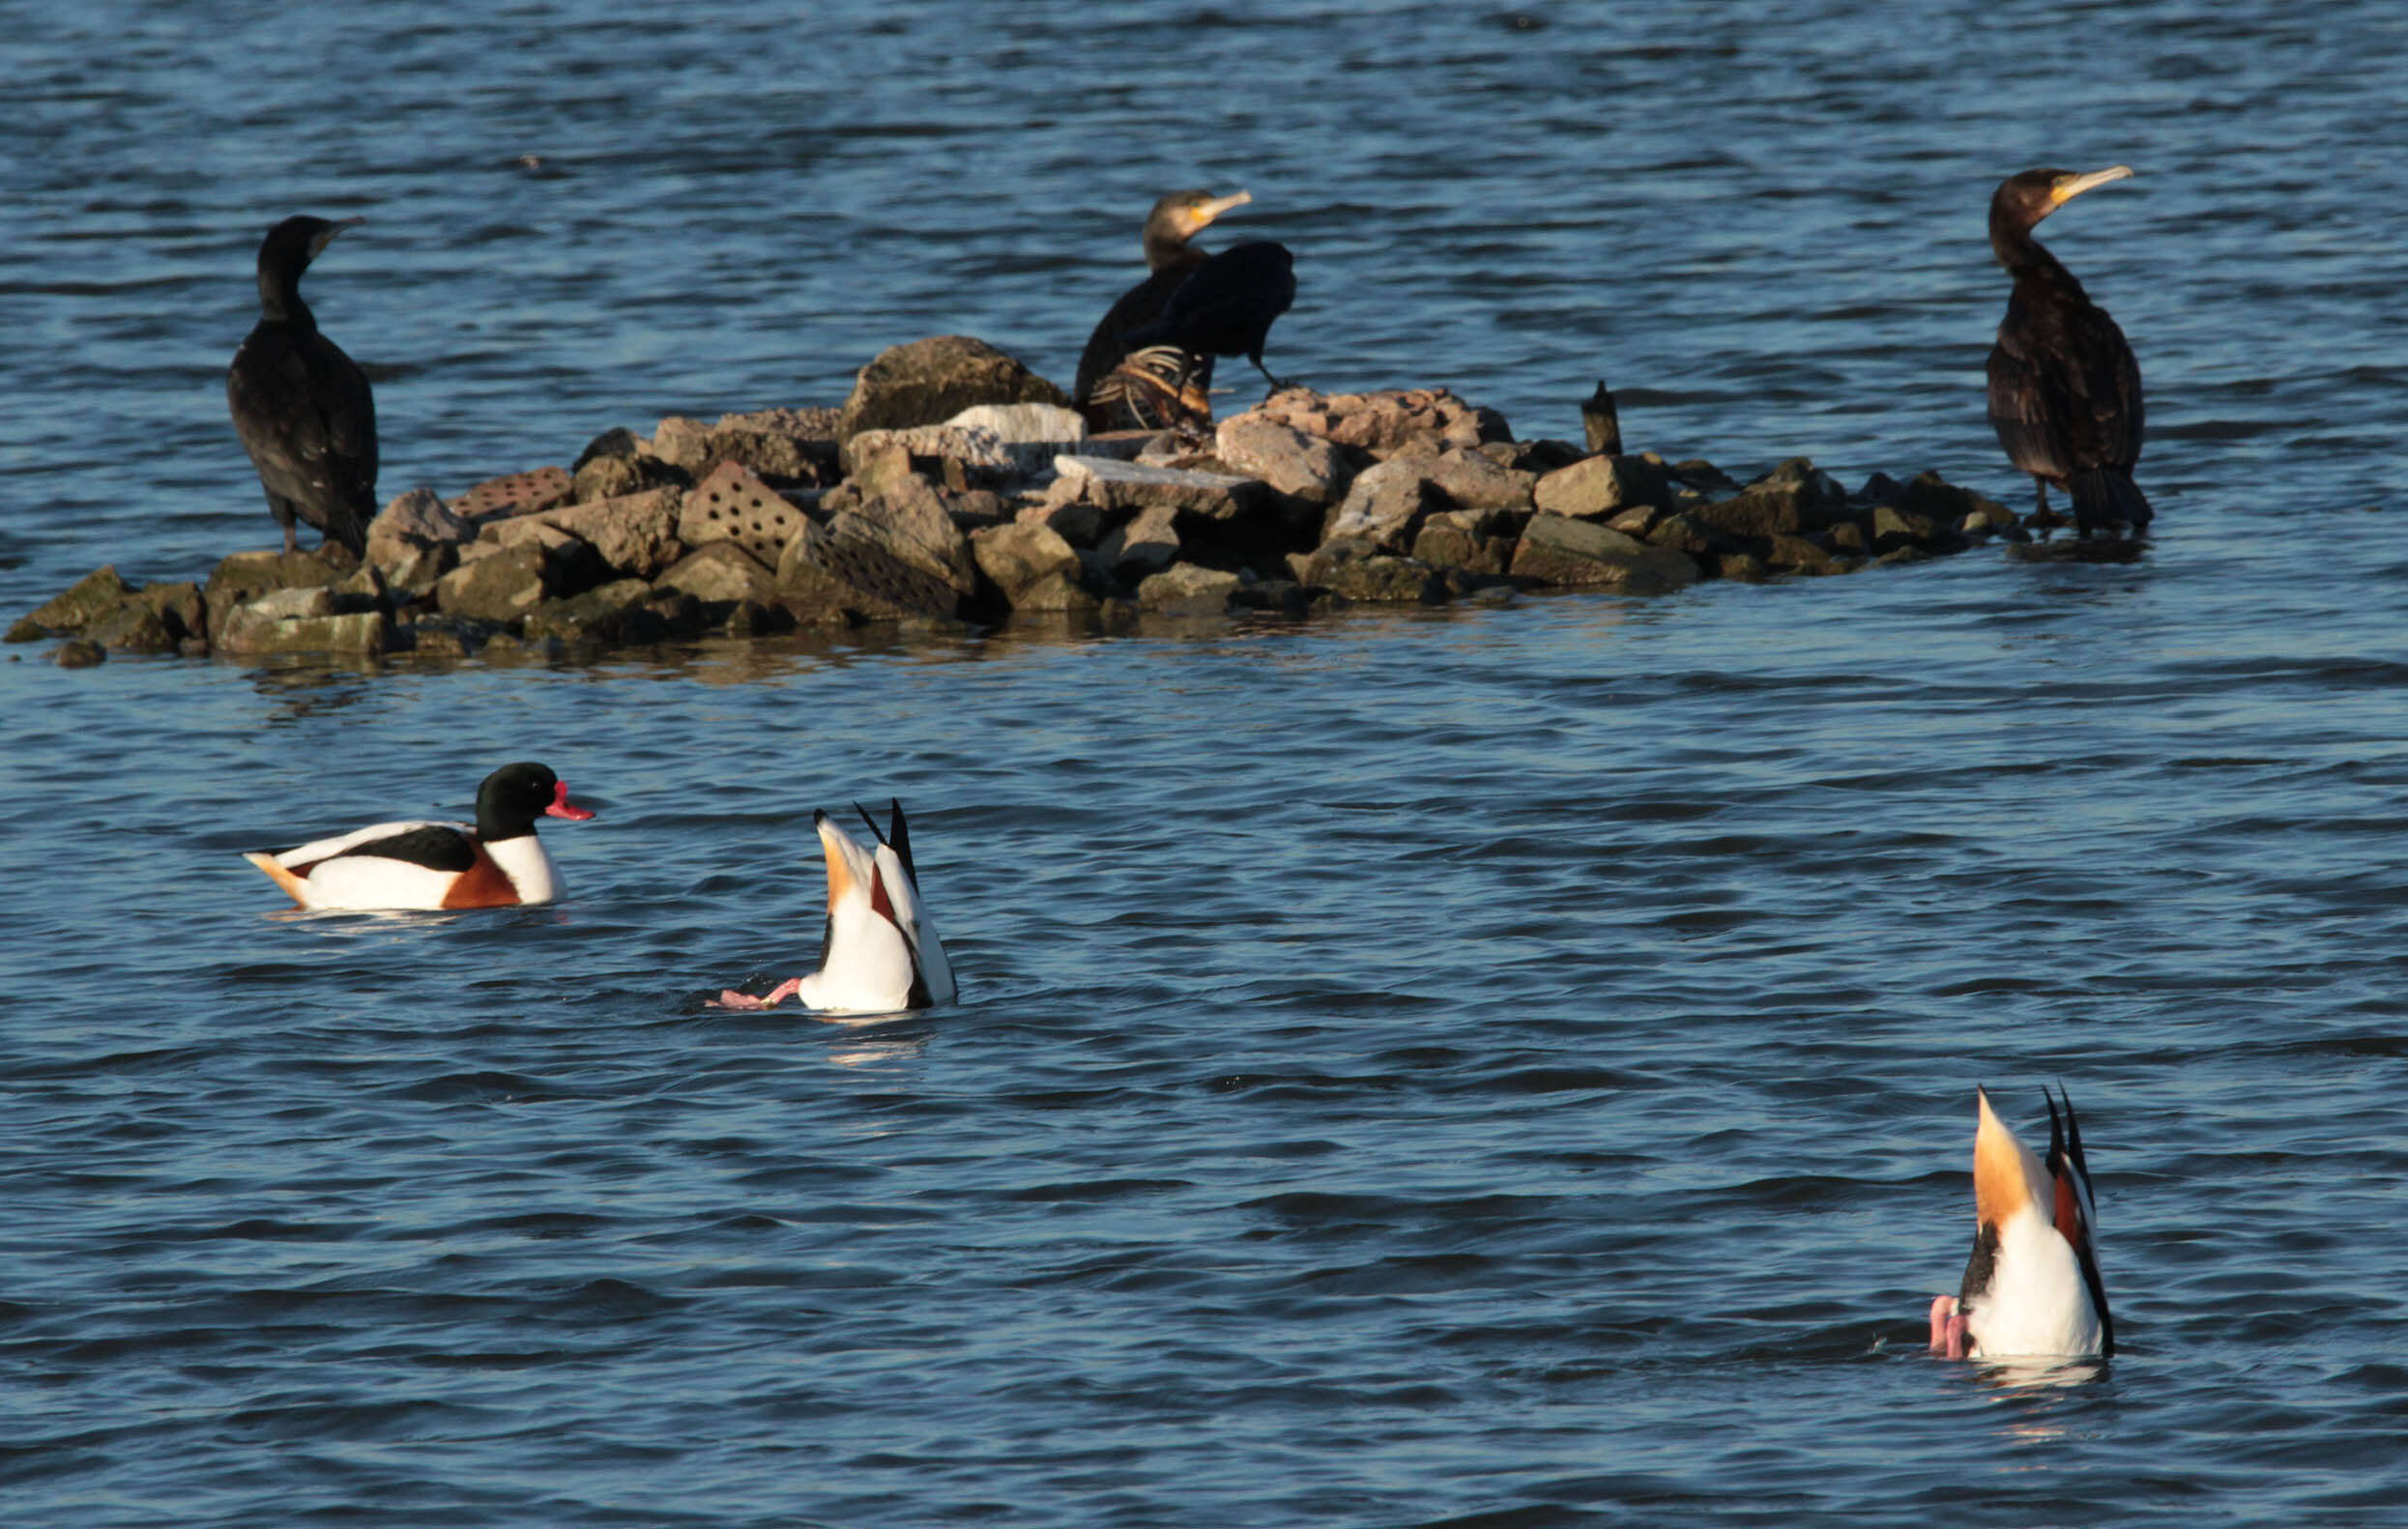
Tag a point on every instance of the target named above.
point(563, 807)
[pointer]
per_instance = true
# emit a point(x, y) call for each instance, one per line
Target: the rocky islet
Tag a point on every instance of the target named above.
point(955, 488)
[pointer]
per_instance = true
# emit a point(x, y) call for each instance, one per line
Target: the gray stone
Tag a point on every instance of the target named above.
point(1185, 590)
point(1636, 521)
point(1683, 533)
point(1798, 555)
point(502, 586)
point(928, 382)
point(635, 536)
point(1420, 421)
point(1024, 423)
point(616, 442)
point(1882, 489)
point(1147, 545)
point(1303, 467)
point(752, 618)
point(1058, 592)
point(136, 626)
point(619, 476)
point(1847, 536)
point(783, 445)
point(721, 573)
point(1795, 500)
point(1020, 556)
point(1696, 473)
point(245, 576)
point(1559, 550)
point(1893, 529)
point(915, 530)
point(955, 455)
point(1385, 505)
point(252, 630)
point(81, 603)
point(284, 605)
point(446, 636)
point(622, 612)
point(410, 523)
point(732, 504)
point(1114, 485)
point(1599, 486)
point(181, 607)
point(508, 648)
point(80, 653)
point(1934, 498)
point(1072, 518)
point(685, 444)
point(1375, 578)
point(1472, 479)
point(823, 577)
point(1276, 596)
point(1453, 539)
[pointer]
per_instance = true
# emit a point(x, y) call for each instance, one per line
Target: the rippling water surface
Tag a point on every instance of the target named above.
point(1510, 1064)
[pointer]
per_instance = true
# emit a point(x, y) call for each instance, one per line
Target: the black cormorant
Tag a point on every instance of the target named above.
point(303, 407)
point(1110, 398)
point(2064, 388)
point(1227, 307)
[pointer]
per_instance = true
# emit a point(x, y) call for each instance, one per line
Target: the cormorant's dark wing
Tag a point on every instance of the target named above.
point(1138, 307)
point(1227, 307)
point(2064, 386)
point(308, 418)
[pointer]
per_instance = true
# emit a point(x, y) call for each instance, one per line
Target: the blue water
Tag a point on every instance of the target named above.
point(1506, 1064)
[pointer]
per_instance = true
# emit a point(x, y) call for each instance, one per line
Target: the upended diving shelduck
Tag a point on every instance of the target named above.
point(2032, 1286)
point(496, 862)
point(881, 954)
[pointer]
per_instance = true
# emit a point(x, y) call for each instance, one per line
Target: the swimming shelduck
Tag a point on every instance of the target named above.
point(882, 955)
point(498, 863)
point(2032, 1286)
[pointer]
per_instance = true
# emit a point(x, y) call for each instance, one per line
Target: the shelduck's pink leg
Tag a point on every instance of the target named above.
point(1948, 1327)
point(730, 998)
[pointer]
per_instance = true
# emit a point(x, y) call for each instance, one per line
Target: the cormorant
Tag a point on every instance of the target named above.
point(2064, 388)
point(303, 407)
point(1227, 307)
point(1109, 395)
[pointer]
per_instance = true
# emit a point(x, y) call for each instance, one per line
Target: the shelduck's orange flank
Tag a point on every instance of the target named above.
point(499, 862)
point(2032, 1286)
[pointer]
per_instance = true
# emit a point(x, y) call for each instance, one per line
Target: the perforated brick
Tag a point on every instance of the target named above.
point(518, 494)
point(734, 505)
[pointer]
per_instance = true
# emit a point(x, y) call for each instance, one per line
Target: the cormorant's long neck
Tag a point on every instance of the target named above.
point(1170, 252)
point(279, 297)
point(2027, 259)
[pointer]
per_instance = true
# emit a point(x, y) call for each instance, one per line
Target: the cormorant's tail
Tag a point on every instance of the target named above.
point(2105, 497)
point(349, 528)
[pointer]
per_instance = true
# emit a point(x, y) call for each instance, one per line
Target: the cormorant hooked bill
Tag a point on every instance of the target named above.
point(303, 407)
point(2064, 388)
point(1116, 389)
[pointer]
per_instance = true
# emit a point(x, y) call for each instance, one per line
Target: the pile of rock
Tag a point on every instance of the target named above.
point(954, 487)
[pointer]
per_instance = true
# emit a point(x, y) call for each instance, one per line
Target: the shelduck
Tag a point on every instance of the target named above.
point(2032, 1286)
point(881, 954)
point(496, 863)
